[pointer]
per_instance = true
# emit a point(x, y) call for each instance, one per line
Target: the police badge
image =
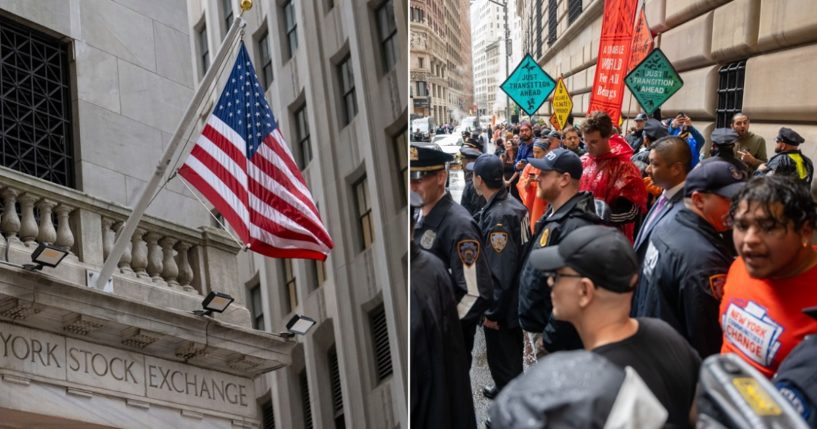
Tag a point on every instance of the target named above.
point(427, 240)
point(468, 250)
point(716, 283)
point(499, 240)
point(543, 239)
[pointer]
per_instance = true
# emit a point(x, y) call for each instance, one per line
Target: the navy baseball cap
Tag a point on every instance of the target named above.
point(561, 160)
point(600, 253)
point(489, 167)
point(716, 177)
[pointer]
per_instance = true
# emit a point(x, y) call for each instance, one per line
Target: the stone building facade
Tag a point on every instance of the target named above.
point(335, 77)
point(733, 55)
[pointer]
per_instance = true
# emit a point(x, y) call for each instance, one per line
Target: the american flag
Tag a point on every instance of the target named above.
point(242, 165)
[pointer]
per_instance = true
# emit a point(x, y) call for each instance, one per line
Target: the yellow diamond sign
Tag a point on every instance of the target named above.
point(562, 104)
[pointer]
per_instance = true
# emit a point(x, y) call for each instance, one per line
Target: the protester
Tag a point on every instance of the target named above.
point(500, 222)
point(610, 175)
point(634, 138)
point(750, 147)
point(447, 230)
point(509, 173)
point(558, 181)
point(440, 385)
point(687, 259)
point(572, 141)
point(554, 140)
point(774, 275)
point(682, 127)
point(525, 145)
point(592, 273)
point(788, 159)
point(526, 186)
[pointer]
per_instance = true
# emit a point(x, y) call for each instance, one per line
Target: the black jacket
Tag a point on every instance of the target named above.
point(635, 140)
point(440, 384)
point(791, 163)
point(452, 234)
point(682, 278)
point(501, 224)
point(535, 305)
point(470, 199)
point(729, 157)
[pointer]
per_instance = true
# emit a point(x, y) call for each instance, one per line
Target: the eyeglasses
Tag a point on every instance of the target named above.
point(554, 276)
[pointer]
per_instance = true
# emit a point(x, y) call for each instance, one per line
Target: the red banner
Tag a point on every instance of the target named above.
point(642, 41)
point(614, 54)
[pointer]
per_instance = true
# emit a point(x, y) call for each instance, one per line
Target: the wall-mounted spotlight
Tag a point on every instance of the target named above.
point(298, 325)
point(45, 255)
point(214, 302)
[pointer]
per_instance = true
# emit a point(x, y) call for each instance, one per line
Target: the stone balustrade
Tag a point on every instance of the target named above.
point(161, 253)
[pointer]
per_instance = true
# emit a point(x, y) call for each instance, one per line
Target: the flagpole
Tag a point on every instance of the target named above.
point(161, 173)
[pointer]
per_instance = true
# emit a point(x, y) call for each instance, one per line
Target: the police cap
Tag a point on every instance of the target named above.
point(716, 177)
point(425, 160)
point(789, 136)
point(654, 129)
point(724, 136)
point(470, 152)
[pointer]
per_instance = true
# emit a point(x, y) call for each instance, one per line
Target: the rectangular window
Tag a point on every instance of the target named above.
point(730, 93)
point(387, 30)
point(337, 393)
point(380, 342)
point(401, 149)
point(574, 9)
point(364, 212)
point(347, 89)
point(552, 22)
point(227, 8)
point(290, 26)
point(302, 137)
point(305, 402)
point(291, 284)
point(204, 57)
point(266, 60)
point(422, 89)
point(35, 104)
point(257, 308)
point(267, 415)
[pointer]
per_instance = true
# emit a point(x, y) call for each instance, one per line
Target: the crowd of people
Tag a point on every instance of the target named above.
point(648, 248)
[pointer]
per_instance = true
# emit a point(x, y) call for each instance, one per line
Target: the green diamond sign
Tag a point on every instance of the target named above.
point(653, 81)
point(528, 86)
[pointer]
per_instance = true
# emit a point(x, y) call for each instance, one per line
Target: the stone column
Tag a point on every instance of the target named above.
point(11, 222)
point(28, 225)
point(47, 233)
point(185, 270)
point(124, 261)
point(139, 253)
point(170, 271)
point(108, 237)
point(154, 256)
point(65, 238)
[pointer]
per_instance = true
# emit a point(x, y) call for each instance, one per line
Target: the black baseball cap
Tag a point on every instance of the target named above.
point(561, 160)
point(716, 177)
point(654, 129)
point(489, 167)
point(424, 160)
point(724, 136)
point(600, 253)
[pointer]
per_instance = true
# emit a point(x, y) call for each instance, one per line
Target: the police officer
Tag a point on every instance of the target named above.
point(686, 262)
point(440, 383)
point(723, 148)
point(558, 183)
point(788, 159)
point(472, 201)
point(447, 230)
point(650, 133)
point(501, 224)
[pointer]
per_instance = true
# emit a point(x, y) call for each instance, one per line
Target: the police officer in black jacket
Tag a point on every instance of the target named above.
point(723, 149)
point(788, 159)
point(558, 183)
point(501, 224)
point(447, 230)
point(686, 262)
point(440, 384)
point(470, 199)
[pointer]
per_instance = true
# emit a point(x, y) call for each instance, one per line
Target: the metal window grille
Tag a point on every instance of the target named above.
point(574, 9)
point(380, 338)
point(256, 305)
point(35, 100)
point(730, 92)
point(268, 415)
point(227, 7)
point(266, 60)
point(306, 404)
point(364, 212)
point(204, 49)
point(337, 393)
point(302, 136)
point(552, 21)
point(291, 284)
point(347, 89)
point(539, 28)
point(387, 30)
point(290, 26)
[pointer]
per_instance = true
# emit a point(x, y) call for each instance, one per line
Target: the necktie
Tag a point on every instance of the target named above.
point(656, 211)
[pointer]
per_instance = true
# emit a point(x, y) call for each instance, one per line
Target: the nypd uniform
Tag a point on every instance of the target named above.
point(723, 143)
point(472, 201)
point(452, 234)
point(791, 162)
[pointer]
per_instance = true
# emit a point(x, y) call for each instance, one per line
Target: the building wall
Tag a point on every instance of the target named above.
point(356, 279)
point(777, 39)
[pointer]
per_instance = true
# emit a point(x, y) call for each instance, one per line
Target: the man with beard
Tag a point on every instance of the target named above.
point(558, 183)
point(788, 159)
point(610, 175)
point(525, 146)
point(750, 147)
